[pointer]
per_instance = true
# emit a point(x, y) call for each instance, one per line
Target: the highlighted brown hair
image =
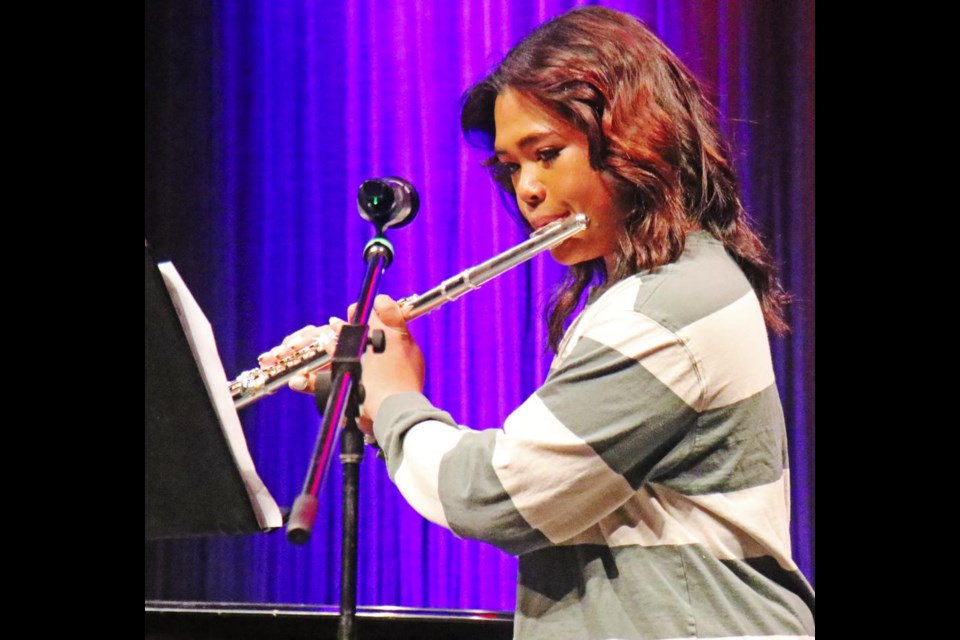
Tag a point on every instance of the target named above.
point(653, 135)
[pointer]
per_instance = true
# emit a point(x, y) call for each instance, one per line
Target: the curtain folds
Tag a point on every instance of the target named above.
point(262, 119)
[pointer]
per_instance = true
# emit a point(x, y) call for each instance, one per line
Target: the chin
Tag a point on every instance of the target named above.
point(568, 258)
point(563, 257)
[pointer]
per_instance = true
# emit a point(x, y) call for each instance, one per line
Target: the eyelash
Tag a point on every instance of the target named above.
point(548, 155)
point(507, 169)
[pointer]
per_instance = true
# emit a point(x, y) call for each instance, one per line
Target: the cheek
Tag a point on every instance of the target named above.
point(588, 189)
point(622, 194)
point(604, 209)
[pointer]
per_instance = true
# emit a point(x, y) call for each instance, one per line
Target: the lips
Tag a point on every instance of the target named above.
point(541, 221)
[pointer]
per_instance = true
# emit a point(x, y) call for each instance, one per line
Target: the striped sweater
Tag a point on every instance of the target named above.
point(645, 485)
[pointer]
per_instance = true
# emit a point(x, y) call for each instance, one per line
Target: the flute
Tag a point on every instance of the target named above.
point(254, 384)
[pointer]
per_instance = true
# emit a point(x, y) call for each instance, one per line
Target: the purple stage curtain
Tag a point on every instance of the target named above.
point(264, 116)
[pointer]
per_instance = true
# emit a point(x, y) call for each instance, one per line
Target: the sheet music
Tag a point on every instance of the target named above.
point(204, 347)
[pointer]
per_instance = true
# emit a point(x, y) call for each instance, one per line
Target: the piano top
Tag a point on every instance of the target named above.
point(176, 620)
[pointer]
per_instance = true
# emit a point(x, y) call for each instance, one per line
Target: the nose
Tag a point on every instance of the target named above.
point(530, 189)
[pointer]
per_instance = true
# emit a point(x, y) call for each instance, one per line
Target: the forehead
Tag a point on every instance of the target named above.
point(519, 118)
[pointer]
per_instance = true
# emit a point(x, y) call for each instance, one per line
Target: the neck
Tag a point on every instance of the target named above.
point(610, 262)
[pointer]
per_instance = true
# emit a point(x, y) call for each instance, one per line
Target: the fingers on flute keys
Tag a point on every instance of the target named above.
point(292, 343)
point(328, 335)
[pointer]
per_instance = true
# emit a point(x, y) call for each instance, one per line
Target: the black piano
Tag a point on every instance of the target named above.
point(168, 620)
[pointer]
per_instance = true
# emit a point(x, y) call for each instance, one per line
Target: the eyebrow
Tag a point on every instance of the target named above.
point(526, 141)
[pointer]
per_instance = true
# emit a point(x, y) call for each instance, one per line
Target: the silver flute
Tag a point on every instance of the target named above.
point(254, 384)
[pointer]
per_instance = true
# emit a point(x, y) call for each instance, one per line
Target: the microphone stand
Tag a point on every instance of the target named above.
point(386, 202)
point(340, 396)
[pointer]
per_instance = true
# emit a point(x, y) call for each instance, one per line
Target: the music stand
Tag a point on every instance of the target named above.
point(199, 478)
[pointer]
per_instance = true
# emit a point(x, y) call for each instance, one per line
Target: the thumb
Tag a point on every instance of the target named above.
point(390, 313)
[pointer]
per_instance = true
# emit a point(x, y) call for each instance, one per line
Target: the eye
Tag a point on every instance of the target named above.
point(548, 155)
point(504, 169)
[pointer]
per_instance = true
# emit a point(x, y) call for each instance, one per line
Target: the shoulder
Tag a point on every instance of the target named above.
point(706, 301)
point(695, 325)
point(703, 281)
point(704, 288)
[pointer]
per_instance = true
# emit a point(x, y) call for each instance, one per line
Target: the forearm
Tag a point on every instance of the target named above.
point(526, 486)
point(446, 473)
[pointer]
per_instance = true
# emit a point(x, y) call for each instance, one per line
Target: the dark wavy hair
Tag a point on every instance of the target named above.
point(653, 135)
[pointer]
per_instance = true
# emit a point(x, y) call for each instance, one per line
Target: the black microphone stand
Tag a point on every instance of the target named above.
point(339, 393)
point(339, 397)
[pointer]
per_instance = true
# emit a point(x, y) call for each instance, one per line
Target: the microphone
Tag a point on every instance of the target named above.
point(387, 202)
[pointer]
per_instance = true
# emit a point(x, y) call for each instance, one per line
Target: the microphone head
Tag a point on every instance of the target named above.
point(387, 202)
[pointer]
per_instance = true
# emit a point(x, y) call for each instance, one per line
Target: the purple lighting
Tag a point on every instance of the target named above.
point(311, 99)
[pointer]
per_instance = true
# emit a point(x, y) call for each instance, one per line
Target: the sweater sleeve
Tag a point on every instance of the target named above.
point(578, 448)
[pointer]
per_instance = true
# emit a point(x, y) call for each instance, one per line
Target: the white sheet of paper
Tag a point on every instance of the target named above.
point(204, 346)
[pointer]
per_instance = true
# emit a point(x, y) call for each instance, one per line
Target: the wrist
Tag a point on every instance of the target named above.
point(373, 401)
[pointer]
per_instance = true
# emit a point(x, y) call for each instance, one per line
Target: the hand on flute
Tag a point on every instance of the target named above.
point(400, 368)
point(296, 341)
